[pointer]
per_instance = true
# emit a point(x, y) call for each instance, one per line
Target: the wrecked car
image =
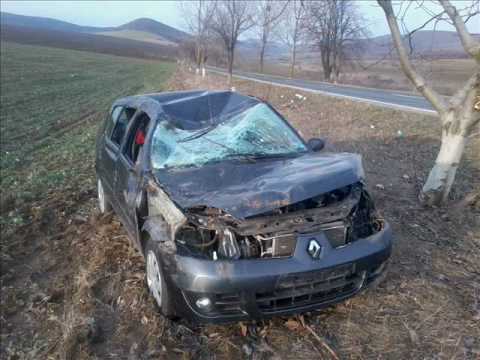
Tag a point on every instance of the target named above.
point(236, 215)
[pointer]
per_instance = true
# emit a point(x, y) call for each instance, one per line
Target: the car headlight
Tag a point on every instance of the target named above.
point(195, 241)
point(223, 243)
point(228, 245)
point(212, 244)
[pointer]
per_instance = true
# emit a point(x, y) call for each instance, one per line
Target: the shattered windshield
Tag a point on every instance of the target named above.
point(253, 133)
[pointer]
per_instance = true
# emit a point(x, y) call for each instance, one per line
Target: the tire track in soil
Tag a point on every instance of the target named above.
point(55, 131)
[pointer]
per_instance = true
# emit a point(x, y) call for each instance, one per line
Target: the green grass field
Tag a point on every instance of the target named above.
point(51, 103)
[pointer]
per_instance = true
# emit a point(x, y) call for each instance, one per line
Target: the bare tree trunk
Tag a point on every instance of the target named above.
point(440, 180)
point(457, 123)
point(327, 70)
point(326, 64)
point(334, 73)
point(197, 58)
point(458, 117)
point(292, 64)
point(327, 73)
point(230, 66)
point(262, 55)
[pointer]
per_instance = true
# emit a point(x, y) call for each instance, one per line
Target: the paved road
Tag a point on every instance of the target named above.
point(381, 97)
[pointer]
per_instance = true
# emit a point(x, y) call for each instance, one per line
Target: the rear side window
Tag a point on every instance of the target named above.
point(112, 119)
point(120, 124)
point(136, 138)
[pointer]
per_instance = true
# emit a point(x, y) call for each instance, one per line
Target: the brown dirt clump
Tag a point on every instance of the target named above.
point(73, 287)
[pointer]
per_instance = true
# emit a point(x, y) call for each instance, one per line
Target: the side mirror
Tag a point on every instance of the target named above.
point(315, 144)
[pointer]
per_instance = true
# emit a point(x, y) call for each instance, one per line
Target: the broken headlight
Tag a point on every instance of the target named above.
point(215, 244)
point(227, 245)
point(363, 219)
point(195, 241)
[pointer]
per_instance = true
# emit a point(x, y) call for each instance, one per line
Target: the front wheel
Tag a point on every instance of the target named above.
point(156, 281)
point(103, 201)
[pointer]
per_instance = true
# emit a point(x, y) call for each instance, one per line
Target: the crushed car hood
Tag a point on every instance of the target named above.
point(245, 189)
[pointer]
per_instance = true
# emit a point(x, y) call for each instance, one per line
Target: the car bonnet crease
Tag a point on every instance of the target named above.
point(244, 189)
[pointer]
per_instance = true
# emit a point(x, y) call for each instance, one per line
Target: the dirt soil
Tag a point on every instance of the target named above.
point(73, 287)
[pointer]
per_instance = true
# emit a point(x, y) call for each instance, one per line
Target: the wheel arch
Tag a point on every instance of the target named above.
point(155, 228)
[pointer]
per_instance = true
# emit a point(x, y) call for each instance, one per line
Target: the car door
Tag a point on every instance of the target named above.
point(129, 172)
point(107, 156)
point(114, 136)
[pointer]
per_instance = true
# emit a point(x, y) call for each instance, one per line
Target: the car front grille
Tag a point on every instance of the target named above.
point(336, 234)
point(227, 304)
point(311, 288)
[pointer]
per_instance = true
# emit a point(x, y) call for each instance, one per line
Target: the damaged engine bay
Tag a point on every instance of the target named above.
point(344, 215)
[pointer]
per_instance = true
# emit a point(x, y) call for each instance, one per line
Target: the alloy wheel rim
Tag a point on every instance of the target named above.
point(101, 197)
point(154, 280)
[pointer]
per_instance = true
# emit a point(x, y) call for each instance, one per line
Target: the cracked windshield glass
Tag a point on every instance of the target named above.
point(253, 133)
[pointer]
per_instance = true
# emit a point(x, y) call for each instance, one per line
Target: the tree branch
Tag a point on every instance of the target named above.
point(471, 46)
point(459, 97)
point(431, 95)
point(410, 34)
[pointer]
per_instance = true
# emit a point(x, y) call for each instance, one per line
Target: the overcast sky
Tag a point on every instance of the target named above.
point(114, 13)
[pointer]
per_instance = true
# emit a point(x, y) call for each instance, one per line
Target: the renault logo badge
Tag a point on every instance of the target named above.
point(314, 249)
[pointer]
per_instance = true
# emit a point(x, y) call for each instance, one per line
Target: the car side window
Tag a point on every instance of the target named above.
point(121, 123)
point(112, 120)
point(136, 138)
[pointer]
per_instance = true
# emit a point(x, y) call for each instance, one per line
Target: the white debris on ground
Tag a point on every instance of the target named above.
point(300, 97)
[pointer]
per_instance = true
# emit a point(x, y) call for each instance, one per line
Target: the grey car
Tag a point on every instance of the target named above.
point(236, 215)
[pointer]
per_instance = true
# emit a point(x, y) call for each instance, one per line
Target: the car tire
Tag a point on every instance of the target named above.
point(155, 279)
point(104, 204)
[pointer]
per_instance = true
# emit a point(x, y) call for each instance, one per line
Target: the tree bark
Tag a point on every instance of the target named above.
point(470, 45)
point(437, 187)
point(327, 69)
point(335, 71)
point(230, 66)
point(457, 123)
point(292, 64)
point(262, 55)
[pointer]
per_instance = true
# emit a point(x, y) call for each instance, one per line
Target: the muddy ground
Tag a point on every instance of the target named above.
point(73, 287)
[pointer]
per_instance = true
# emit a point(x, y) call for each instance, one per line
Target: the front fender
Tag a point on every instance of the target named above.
point(157, 228)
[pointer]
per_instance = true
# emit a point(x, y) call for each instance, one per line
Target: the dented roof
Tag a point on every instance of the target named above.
point(189, 110)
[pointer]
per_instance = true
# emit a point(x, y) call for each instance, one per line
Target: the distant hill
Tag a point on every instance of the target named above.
point(251, 47)
point(438, 44)
point(87, 42)
point(147, 30)
point(427, 43)
point(424, 43)
point(157, 28)
point(45, 23)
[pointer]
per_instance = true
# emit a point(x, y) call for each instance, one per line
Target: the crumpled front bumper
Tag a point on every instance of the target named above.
point(258, 288)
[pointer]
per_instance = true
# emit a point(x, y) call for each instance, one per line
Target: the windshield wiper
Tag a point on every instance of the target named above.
point(199, 133)
point(241, 156)
point(221, 119)
point(254, 156)
point(273, 156)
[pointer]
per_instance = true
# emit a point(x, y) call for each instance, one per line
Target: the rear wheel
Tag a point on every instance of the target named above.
point(156, 281)
point(103, 200)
